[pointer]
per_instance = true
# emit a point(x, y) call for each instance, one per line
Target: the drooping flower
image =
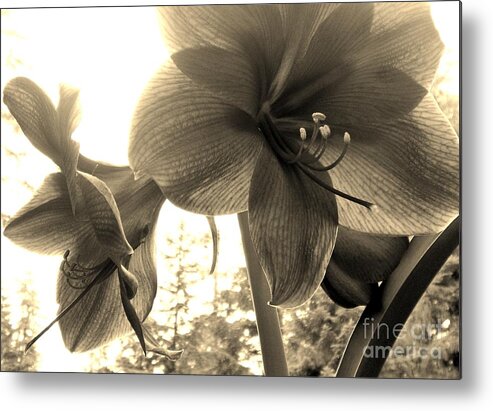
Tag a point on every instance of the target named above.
point(98, 216)
point(308, 116)
point(359, 262)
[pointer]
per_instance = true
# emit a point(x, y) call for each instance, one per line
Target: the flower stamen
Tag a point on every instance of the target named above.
point(347, 141)
point(301, 148)
point(349, 197)
point(306, 164)
point(77, 275)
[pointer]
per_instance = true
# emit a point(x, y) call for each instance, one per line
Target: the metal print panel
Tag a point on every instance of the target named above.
point(254, 189)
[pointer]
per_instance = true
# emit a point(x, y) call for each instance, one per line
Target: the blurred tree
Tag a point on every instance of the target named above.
point(15, 335)
point(219, 342)
point(217, 339)
point(316, 334)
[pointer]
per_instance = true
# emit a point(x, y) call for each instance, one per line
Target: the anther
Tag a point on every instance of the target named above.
point(302, 134)
point(347, 138)
point(317, 117)
point(325, 131)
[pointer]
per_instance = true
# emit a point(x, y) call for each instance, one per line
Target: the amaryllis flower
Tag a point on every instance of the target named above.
point(98, 216)
point(308, 116)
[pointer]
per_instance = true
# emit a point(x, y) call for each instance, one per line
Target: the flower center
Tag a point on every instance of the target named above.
point(305, 153)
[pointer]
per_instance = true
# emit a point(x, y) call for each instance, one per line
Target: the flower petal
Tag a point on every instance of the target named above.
point(139, 201)
point(409, 168)
point(35, 114)
point(364, 257)
point(359, 95)
point(143, 266)
point(254, 29)
point(153, 346)
point(100, 206)
point(293, 224)
point(228, 74)
point(299, 23)
point(347, 291)
point(68, 110)
point(46, 223)
point(68, 120)
point(402, 51)
point(99, 317)
point(48, 130)
point(404, 37)
point(341, 30)
point(117, 178)
point(200, 151)
point(381, 75)
point(130, 312)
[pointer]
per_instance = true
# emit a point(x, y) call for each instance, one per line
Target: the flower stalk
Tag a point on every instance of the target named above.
point(399, 295)
point(268, 326)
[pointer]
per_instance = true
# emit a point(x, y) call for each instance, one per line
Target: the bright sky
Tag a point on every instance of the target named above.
point(108, 54)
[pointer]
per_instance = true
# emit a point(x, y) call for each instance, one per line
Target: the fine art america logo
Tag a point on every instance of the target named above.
point(414, 340)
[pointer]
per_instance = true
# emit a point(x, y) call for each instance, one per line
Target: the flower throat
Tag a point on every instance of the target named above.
point(309, 151)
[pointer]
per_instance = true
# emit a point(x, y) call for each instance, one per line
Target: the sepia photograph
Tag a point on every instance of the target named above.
point(258, 189)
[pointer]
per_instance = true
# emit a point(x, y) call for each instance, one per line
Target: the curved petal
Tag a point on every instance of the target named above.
point(347, 291)
point(254, 29)
point(35, 114)
point(293, 224)
point(99, 317)
point(48, 130)
point(228, 74)
point(139, 207)
point(378, 76)
point(46, 224)
point(358, 95)
point(342, 30)
point(100, 206)
point(299, 23)
point(139, 201)
point(143, 266)
point(200, 151)
point(154, 346)
point(68, 110)
point(117, 178)
point(364, 257)
point(404, 37)
point(409, 168)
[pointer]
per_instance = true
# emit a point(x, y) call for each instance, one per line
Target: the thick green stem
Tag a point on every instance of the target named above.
point(268, 326)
